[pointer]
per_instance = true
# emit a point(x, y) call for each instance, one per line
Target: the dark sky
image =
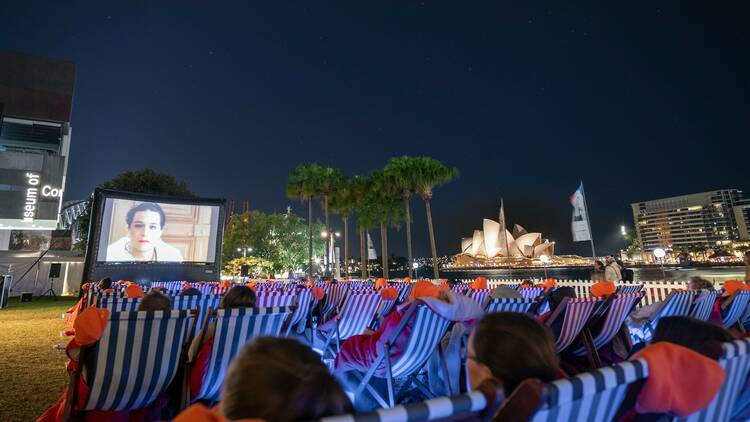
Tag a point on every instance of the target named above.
point(641, 100)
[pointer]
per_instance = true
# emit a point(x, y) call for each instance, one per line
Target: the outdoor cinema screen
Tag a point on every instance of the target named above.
point(145, 231)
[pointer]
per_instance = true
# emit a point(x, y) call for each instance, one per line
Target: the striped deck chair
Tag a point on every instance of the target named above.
point(659, 291)
point(205, 289)
point(356, 313)
point(676, 304)
point(134, 361)
point(202, 302)
point(404, 290)
point(114, 303)
point(460, 288)
point(703, 305)
point(531, 292)
point(335, 295)
point(509, 305)
point(274, 299)
point(736, 364)
point(734, 308)
point(617, 310)
point(235, 328)
point(575, 313)
point(480, 296)
point(301, 313)
point(428, 328)
point(590, 396)
point(629, 288)
point(98, 295)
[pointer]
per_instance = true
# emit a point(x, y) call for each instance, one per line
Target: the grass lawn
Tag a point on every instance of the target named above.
point(32, 373)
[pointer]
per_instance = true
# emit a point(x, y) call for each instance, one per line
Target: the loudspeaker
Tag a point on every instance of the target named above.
point(245, 271)
point(26, 296)
point(54, 270)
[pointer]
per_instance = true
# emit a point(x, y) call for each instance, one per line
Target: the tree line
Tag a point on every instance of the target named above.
point(381, 199)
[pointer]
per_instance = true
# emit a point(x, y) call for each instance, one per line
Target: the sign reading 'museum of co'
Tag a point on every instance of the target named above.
point(32, 195)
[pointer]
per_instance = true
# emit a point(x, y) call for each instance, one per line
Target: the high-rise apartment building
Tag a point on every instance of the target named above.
point(707, 218)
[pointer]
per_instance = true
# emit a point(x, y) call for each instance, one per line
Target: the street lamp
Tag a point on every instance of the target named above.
point(245, 250)
point(660, 253)
point(545, 260)
point(415, 266)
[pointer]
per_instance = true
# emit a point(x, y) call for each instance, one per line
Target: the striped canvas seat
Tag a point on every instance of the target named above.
point(404, 290)
point(703, 305)
point(629, 288)
point(736, 364)
point(302, 312)
point(274, 299)
point(135, 359)
point(434, 409)
point(736, 308)
point(575, 314)
point(591, 396)
point(617, 312)
point(205, 289)
point(335, 295)
point(676, 304)
point(509, 305)
point(659, 291)
point(480, 296)
point(428, 328)
point(460, 288)
point(113, 303)
point(531, 292)
point(98, 295)
point(355, 315)
point(235, 328)
point(202, 302)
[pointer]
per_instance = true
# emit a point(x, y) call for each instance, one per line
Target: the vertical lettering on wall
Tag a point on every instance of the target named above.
point(32, 193)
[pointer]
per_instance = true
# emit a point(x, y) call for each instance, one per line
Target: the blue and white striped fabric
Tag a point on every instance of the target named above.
point(427, 331)
point(629, 288)
point(274, 299)
point(98, 296)
point(736, 364)
point(113, 303)
point(509, 305)
point(357, 312)
point(335, 295)
point(404, 290)
point(618, 310)
point(135, 359)
point(531, 292)
point(591, 396)
point(480, 296)
point(204, 302)
point(299, 317)
point(703, 305)
point(235, 328)
point(677, 304)
point(736, 308)
point(439, 408)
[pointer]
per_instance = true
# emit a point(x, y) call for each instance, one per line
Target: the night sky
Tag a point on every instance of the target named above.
point(641, 100)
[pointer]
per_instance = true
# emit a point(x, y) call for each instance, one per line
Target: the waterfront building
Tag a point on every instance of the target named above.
point(707, 219)
point(742, 217)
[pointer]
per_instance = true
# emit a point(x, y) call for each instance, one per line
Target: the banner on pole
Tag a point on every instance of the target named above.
point(580, 225)
point(371, 254)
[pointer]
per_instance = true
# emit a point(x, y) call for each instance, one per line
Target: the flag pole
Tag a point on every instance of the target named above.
point(505, 235)
point(588, 220)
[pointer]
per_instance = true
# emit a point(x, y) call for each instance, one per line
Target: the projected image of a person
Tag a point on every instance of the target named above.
point(145, 223)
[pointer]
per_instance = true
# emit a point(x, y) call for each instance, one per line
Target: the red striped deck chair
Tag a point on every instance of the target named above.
point(428, 328)
point(480, 296)
point(614, 312)
point(235, 328)
point(703, 305)
point(576, 314)
point(266, 299)
point(386, 307)
point(133, 363)
point(355, 314)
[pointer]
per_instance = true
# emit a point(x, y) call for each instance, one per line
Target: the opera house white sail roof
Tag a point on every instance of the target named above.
point(491, 242)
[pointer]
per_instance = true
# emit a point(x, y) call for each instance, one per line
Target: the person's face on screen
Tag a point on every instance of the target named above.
point(145, 231)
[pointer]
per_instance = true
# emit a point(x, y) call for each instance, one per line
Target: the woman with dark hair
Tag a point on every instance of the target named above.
point(200, 351)
point(275, 379)
point(701, 336)
point(598, 273)
point(155, 301)
point(104, 284)
point(511, 347)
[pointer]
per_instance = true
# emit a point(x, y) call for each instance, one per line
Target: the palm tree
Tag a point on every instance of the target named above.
point(365, 219)
point(430, 173)
point(326, 181)
point(302, 184)
point(400, 172)
point(343, 203)
point(386, 209)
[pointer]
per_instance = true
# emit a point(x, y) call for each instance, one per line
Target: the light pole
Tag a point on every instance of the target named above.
point(660, 253)
point(545, 260)
point(245, 250)
point(415, 266)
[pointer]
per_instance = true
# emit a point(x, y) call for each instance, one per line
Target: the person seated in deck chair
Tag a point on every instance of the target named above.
point(200, 351)
point(511, 347)
point(155, 301)
point(359, 353)
point(555, 298)
point(274, 379)
point(190, 291)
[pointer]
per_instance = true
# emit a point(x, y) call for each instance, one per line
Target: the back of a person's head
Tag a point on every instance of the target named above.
point(192, 291)
point(105, 283)
point(699, 283)
point(556, 296)
point(515, 346)
point(701, 336)
point(155, 301)
point(289, 383)
point(527, 283)
point(238, 297)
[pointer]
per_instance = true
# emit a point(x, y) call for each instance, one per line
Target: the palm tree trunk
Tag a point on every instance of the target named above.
point(432, 238)
point(408, 236)
point(329, 265)
point(309, 237)
point(362, 254)
point(346, 245)
point(384, 248)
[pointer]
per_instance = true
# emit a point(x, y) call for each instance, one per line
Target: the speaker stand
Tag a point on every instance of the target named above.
point(50, 291)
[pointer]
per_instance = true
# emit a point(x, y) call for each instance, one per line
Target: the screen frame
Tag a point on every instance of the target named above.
point(149, 271)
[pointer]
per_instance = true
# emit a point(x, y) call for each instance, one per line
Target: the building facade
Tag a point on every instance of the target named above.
point(742, 217)
point(707, 219)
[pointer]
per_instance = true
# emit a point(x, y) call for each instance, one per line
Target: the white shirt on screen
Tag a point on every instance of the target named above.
point(119, 252)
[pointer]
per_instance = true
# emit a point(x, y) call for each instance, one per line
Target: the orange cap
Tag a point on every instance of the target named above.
point(731, 286)
point(201, 413)
point(423, 288)
point(603, 288)
point(309, 283)
point(318, 292)
point(133, 291)
point(186, 285)
point(380, 283)
point(407, 280)
point(226, 284)
point(479, 283)
point(89, 325)
point(549, 283)
point(389, 293)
